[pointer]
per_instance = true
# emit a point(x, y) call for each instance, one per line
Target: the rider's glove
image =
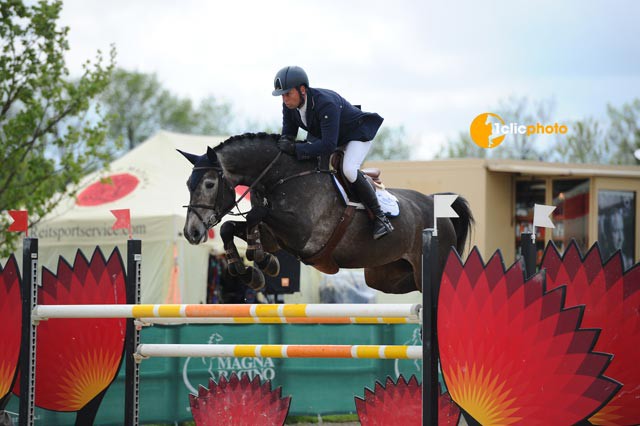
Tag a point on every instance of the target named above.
point(287, 145)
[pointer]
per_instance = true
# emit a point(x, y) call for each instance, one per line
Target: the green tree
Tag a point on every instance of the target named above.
point(522, 111)
point(624, 132)
point(390, 144)
point(462, 147)
point(138, 105)
point(584, 143)
point(49, 134)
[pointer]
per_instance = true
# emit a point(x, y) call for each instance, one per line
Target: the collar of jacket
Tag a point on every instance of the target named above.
point(311, 95)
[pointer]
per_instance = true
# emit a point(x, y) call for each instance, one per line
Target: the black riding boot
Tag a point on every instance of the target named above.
point(381, 224)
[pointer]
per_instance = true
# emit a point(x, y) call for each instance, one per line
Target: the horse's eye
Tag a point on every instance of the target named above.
point(209, 185)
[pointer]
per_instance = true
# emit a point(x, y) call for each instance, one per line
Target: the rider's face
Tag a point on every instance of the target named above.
point(292, 98)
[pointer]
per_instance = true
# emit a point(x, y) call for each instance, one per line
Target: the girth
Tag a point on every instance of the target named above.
point(323, 260)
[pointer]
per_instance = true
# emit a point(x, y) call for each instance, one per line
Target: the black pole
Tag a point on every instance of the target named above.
point(430, 289)
point(529, 253)
point(28, 339)
point(132, 339)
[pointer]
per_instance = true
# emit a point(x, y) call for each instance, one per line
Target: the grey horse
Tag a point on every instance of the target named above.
point(296, 207)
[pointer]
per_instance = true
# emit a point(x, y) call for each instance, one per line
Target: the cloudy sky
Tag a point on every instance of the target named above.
point(430, 66)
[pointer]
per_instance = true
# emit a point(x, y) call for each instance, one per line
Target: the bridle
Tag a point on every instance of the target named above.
point(218, 213)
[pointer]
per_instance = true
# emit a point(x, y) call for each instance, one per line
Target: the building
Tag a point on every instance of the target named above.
point(594, 202)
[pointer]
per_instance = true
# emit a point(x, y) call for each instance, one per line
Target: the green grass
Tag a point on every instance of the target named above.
point(291, 420)
point(332, 418)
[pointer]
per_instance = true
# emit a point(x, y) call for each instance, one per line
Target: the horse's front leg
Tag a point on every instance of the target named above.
point(228, 231)
point(250, 276)
point(267, 262)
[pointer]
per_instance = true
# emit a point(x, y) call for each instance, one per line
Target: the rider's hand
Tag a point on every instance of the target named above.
point(287, 145)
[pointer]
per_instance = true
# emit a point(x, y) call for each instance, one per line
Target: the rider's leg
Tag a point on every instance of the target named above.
point(354, 154)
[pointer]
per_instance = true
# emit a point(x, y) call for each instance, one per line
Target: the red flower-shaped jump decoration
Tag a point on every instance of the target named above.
point(511, 353)
point(400, 403)
point(239, 402)
point(612, 303)
point(11, 320)
point(77, 359)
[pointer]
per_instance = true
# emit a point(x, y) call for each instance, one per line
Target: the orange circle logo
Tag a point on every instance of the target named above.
point(482, 130)
point(108, 190)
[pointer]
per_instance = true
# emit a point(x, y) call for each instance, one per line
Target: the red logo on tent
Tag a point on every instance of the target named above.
point(107, 190)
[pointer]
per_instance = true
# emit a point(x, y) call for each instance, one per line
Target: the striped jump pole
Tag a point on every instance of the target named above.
point(42, 312)
point(280, 351)
point(279, 320)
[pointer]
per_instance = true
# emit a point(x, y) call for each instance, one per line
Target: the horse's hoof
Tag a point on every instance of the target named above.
point(255, 255)
point(270, 265)
point(236, 268)
point(253, 278)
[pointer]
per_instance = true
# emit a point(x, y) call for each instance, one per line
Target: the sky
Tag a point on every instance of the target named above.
point(428, 66)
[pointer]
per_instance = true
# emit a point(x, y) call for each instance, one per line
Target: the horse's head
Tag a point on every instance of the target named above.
point(211, 196)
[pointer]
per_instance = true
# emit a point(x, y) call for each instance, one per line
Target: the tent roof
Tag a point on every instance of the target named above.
point(150, 180)
point(160, 172)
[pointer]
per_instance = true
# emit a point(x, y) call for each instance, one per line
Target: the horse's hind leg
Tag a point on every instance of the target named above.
point(395, 277)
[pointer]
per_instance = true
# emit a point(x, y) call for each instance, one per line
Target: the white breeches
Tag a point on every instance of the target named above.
point(354, 153)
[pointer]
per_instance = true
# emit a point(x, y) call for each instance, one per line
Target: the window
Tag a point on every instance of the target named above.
point(571, 216)
point(616, 224)
point(529, 193)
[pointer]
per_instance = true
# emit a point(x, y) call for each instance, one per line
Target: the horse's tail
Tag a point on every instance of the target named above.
point(462, 224)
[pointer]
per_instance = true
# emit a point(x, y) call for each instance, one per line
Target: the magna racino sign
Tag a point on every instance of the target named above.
point(224, 367)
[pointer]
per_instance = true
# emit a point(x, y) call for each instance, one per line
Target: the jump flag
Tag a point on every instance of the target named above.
point(123, 220)
point(442, 208)
point(541, 216)
point(20, 221)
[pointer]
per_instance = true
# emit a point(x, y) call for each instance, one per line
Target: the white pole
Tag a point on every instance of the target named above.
point(280, 351)
point(42, 312)
point(280, 320)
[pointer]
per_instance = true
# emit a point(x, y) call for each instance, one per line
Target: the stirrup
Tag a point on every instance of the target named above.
point(382, 227)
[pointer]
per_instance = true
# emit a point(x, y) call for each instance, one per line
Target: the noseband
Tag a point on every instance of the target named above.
point(218, 213)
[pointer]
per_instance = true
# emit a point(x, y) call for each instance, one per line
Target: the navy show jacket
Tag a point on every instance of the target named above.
point(331, 122)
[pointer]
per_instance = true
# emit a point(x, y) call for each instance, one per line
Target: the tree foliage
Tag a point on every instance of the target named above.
point(522, 111)
point(584, 143)
point(390, 144)
point(49, 134)
point(462, 147)
point(624, 132)
point(138, 105)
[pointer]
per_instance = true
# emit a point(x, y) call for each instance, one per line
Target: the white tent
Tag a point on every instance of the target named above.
point(150, 181)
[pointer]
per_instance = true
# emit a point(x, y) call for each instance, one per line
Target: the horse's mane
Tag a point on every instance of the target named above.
point(262, 135)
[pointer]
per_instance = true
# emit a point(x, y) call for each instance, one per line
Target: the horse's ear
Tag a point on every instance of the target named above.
point(211, 155)
point(191, 157)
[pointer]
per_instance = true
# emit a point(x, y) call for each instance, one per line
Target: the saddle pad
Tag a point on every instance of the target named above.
point(388, 202)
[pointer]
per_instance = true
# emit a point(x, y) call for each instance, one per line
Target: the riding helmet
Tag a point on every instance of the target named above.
point(288, 78)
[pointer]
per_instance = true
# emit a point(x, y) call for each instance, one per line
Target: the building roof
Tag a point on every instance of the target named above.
point(525, 167)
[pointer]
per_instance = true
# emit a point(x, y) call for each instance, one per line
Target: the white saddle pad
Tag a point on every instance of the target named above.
point(388, 202)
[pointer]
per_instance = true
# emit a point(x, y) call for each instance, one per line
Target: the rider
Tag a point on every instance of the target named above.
point(330, 122)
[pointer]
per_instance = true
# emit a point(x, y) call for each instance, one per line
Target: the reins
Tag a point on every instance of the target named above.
point(217, 215)
point(301, 174)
